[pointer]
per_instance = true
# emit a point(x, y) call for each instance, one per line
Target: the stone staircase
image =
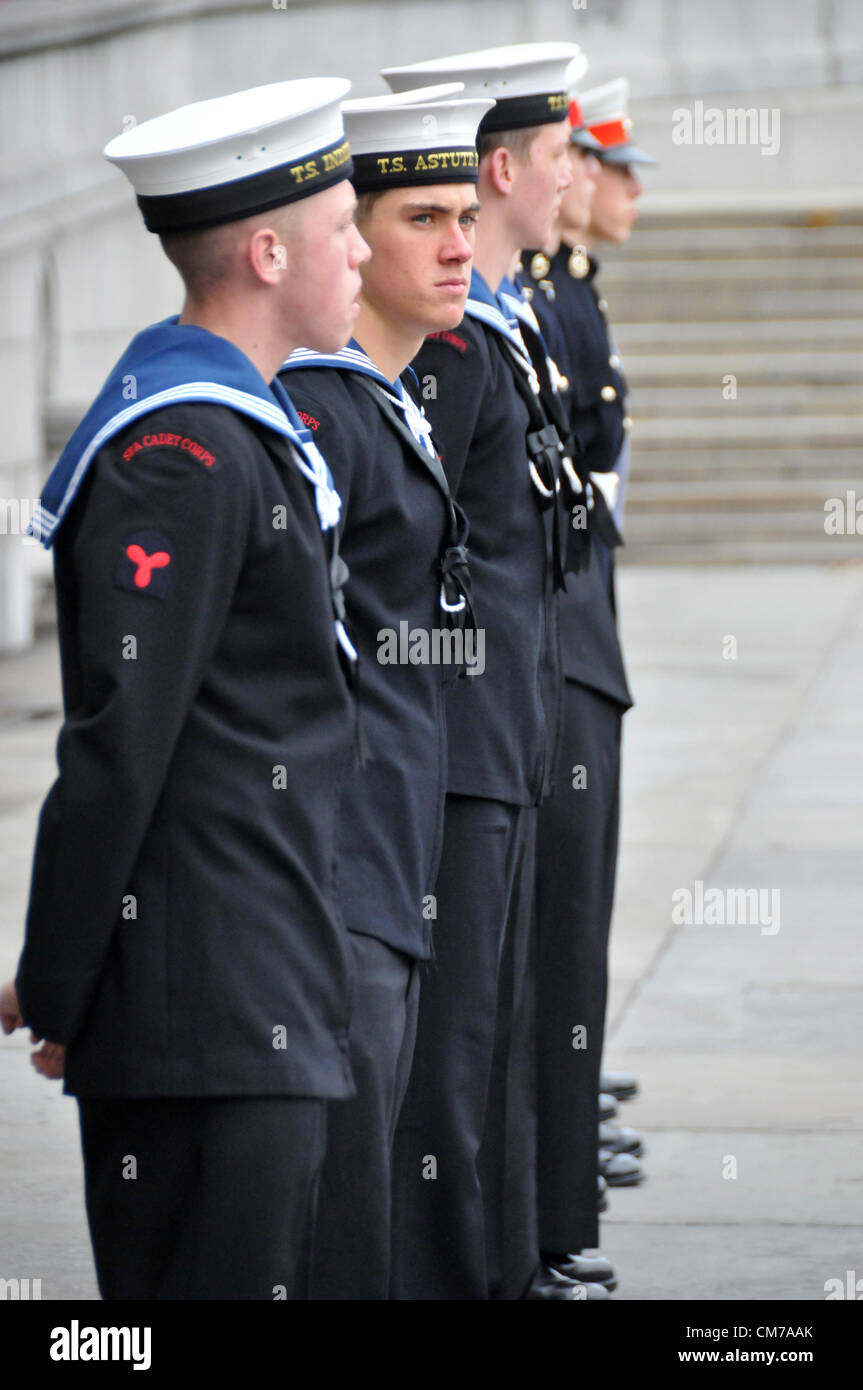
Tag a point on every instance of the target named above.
point(743, 346)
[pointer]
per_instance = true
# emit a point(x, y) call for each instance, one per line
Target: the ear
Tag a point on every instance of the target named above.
point(500, 170)
point(267, 255)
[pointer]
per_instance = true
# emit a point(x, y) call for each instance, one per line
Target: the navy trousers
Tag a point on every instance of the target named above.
point(575, 872)
point(202, 1199)
point(351, 1245)
point(464, 1198)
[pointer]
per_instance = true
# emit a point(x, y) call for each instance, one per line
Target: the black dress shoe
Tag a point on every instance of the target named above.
point(607, 1106)
point(552, 1287)
point(602, 1200)
point(620, 1170)
point(585, 1269)
point(620, 1084)
point(621, 1140)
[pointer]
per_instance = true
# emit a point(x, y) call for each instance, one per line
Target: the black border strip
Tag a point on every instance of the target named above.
point(227, 202)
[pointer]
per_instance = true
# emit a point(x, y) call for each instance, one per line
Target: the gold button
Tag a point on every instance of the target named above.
point(603, 304)
point(578, 264)
point(627, 422)
point(614, 360)
point(527, 292)
point(548, 286)
point(563, 383)
point(540, 265)
point(608, 393)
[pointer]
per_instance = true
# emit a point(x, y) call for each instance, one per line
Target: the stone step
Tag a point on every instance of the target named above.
point(736, 335)
point(782, 272)
point(723, 548)
point(651, 243)
point(799, 431)
point(802, 527)
point(647, 302)
point(664, 402)
point(792, 368)
point(752, 493)
point(675, 465)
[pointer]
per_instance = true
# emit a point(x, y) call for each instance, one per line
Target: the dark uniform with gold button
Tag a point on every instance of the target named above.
point(574, 891)
point(464, 1175)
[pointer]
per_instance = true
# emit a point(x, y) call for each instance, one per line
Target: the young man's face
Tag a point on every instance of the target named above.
point(540, 183)
point(422, 242)
point(577, 200)
point(613, 213)
point(324, 253)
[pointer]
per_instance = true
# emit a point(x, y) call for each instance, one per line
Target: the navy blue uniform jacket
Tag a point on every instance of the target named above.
point(574, 328)
point(500, 733)
point(394, 528)
point(183, 937)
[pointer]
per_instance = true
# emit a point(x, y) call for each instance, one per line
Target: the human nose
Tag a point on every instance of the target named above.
point(457, 247)
point(360, 251)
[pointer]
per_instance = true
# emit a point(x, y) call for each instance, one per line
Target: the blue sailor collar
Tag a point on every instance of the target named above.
point(167, 363)
point(353, 358)
point(511, 295)
point(493, 310)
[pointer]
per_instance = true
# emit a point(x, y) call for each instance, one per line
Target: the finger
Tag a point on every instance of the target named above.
point(50, 1066)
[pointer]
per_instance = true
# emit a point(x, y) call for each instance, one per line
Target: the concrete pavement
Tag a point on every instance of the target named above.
point(743, 769)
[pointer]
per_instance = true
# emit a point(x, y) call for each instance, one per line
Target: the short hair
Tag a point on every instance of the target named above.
point(365, 203)
point(203, 255)
point(518, 142)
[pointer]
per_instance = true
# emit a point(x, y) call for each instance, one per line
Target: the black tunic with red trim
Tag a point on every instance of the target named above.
point(183, 936)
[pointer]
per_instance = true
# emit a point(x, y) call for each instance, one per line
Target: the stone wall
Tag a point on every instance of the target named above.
point(79, 275)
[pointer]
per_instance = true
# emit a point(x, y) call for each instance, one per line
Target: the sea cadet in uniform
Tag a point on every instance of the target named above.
point(403, 538)
point(183, 939)
point(575, 891)
point(464, 1197)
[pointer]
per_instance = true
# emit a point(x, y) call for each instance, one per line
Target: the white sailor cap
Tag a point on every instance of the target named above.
point(526, 80)
point(423, 135)
point(579, 134)
point(220, 160)
point(605, 114)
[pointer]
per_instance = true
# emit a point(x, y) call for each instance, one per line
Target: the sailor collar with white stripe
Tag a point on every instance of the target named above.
point(353, 358)
point(484, 304)
point(492, 310)
point(169, 363)
point(511, 295)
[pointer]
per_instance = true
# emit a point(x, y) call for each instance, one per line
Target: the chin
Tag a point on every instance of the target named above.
point(332, 340)
point(450, 318)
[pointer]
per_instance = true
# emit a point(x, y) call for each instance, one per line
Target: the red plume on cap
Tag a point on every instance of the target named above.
point(576, 120)
point(610, 133)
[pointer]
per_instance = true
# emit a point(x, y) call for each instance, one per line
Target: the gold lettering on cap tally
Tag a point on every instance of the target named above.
point(308, 170)
point(333, 158)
